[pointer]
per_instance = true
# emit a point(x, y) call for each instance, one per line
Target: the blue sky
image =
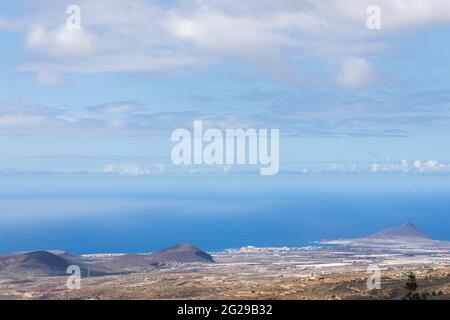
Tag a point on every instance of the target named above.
point(113, 91)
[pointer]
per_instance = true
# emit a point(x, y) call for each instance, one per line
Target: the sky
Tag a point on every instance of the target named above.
point(105, 97)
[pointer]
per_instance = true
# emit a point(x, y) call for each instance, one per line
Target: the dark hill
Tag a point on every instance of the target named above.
point(65, 254)
point(184, 252)
point(42, 264)
point(407, 230)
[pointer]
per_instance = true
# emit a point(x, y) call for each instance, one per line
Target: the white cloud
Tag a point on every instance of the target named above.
point(117, 123)
point(23, 106)
point(418, 166)
point(157, 36)
point(24, 116)
point(117, 108)
point(134, 169)
point(394, 167)
point(356, 73)
point(127, 169)
point(60, 41)
point(49, 77)
point(22, 120)
point(397, 14)
point(123, 36)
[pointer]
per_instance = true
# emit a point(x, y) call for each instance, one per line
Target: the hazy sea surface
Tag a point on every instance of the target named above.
point(99, 213)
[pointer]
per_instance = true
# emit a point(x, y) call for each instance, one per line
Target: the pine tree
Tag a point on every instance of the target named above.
point(411, 283)
point(411, 286)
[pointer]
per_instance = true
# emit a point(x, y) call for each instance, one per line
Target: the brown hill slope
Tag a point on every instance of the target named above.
point(184, 252)
point(181, 253)
point(407, 230)
point(43, 264)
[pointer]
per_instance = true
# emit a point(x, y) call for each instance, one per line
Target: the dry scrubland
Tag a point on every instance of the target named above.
point(250, 273)
point(335, 269)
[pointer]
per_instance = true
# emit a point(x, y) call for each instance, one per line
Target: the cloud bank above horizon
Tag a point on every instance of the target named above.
point(169, 35)
point(311, 68)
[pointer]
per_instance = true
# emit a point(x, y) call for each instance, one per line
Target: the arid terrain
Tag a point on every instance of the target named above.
point(250, 273)
point(333, 269)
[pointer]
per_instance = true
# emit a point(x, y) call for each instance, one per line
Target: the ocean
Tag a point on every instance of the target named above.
point(111, 214)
